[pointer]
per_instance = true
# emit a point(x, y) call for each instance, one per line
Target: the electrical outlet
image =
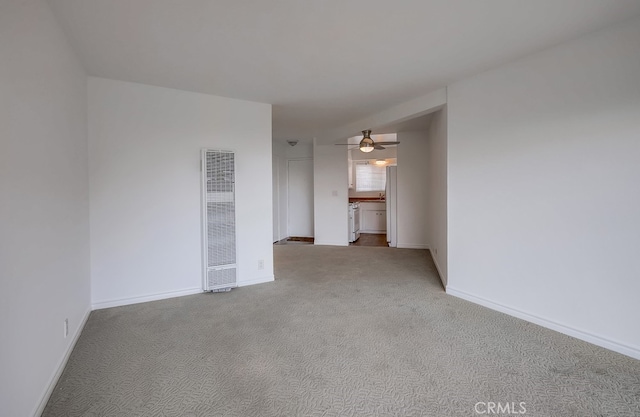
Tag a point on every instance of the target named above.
point(261, 264)
point(66, 328)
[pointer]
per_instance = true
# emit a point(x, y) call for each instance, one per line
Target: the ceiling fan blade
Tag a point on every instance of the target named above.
point(387, 143)
point(345, 144)
point(378, 147)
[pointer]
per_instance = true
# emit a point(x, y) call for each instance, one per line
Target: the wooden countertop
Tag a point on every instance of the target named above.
point(365, 200)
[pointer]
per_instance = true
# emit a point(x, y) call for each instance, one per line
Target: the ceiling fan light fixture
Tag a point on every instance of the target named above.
point(366, 144)
point(366, 147)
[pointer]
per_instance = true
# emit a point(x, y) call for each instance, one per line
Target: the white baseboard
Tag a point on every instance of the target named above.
point(144, 298)
point(435, 262)
point(261, 280)
point(411, 246)
point(570, 331)
point(44, 399)
point(170, 294)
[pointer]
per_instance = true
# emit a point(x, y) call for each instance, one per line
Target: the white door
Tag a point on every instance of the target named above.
point(300, 176)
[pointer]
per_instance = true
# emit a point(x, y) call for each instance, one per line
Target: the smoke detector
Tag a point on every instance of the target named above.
point(292, 142)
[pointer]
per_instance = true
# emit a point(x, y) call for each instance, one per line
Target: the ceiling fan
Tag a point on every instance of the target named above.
point(367, 144)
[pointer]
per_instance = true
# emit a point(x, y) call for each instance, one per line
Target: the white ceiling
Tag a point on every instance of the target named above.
point(322, 64)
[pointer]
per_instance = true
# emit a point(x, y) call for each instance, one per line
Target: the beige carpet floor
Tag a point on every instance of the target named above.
point(352, 331)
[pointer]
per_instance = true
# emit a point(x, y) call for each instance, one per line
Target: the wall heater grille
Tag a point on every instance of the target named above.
point(219, 223)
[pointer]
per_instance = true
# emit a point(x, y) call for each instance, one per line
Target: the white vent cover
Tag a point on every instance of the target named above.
point(219, 220)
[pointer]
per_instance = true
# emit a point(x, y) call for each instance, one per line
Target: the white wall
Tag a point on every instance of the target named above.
point(543, 188)
point(383, 119)
point(331, 198)
point(412, 190)
point(144, 167)
point(279, 186)
point(44, 209)
point(436, 189)
point(303, 150)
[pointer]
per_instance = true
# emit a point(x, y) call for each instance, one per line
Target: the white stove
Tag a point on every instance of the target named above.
point(354, 222)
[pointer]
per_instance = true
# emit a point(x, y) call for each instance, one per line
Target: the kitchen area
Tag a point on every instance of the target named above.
point(372, 197)
point(367, 223)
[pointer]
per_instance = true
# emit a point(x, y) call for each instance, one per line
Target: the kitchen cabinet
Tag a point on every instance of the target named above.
point(373, 217)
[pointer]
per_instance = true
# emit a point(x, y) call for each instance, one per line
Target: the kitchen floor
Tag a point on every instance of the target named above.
point(371, 239)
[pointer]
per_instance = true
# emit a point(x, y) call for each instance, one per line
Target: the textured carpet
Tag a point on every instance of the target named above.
point(351, 331)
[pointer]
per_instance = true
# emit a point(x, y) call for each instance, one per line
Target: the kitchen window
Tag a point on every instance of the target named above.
point(370, 177)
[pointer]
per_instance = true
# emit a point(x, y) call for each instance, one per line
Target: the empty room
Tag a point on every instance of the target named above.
point(329, 208)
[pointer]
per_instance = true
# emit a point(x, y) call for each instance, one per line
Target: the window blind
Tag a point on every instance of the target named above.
point(370, 177)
